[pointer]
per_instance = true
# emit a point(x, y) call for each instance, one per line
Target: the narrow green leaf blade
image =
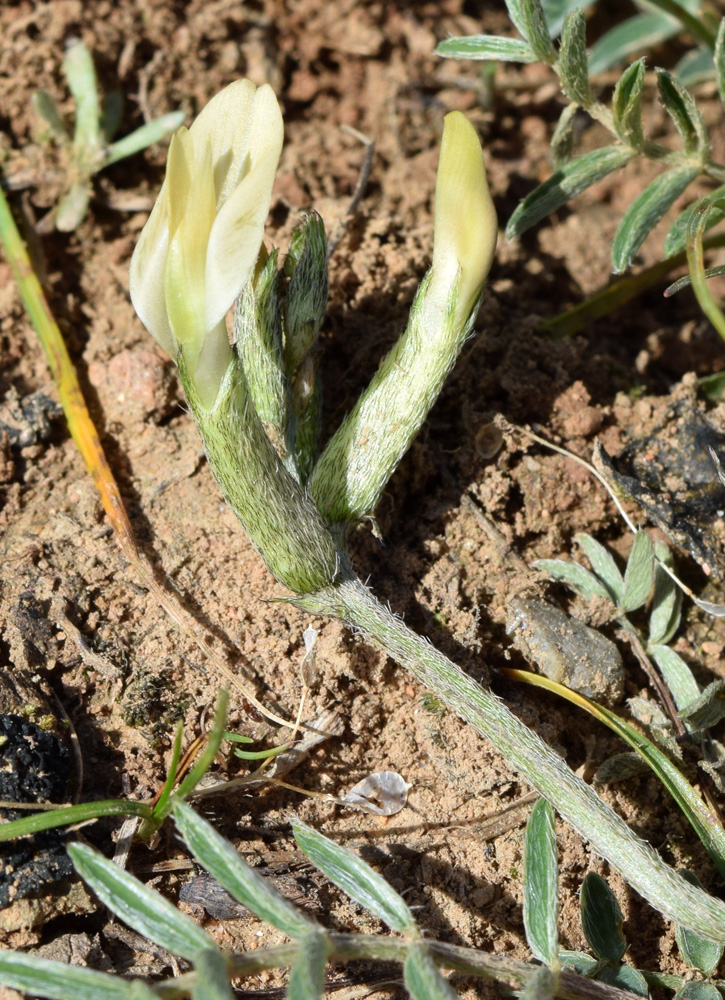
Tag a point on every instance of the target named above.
point(46, 106)
point(602, 919)
point(664, 619)
point(486, 47)
point(627, 105)
point(423, 980)
point(355, 877)
point(573, 60)
point(555, 12)
point(720, 59)
point(677, 237)
point(637, 34)
point(681, 107)
point(576, 575)
point(145, 136)
point(603, 564)
point(696, 951)
point(541, 884)
point(678, 676)
point(573, 178)
point(562, 141)
point(696, 66)
point(81, 75)
point(307, 976)
point(221, 860)
point(141, 908)
point(640, 572)
point(537, 31)
point(212, 978)
point(58, 981)
point(646, 211)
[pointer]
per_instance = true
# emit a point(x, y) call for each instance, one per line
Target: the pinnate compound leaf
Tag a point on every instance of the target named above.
point(627, 105)
point(569, 181)
point(43, 978)
point(221, 860)
point(708, 708)
point(601, 919)
point(486, 47)
point(307, 976)
point(624, 977)
point(720, 59)
point(212, 980)
point(573, 62)
point(356, 878)
point(541, 884)
point(576, 575)
point(423, 980)
point(144, 910)
point(537, 30)
point(676, 239)
point(603, 565)
point(696, 951)
point(681, 107)
point(646, 211)
point(637, 34)
point(640, 572)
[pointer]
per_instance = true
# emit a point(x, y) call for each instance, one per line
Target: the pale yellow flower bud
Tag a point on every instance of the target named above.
point(466, 228)
point(202, 239)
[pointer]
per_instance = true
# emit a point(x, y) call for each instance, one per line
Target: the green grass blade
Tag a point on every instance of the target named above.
point(50, 819)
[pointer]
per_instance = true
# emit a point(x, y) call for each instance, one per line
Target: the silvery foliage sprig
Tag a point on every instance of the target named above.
point(622, 117)
point(256, 405)
point(646, 584)
point(312, 947)
point(92, 145)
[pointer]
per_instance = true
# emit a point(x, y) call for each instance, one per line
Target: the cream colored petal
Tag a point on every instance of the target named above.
point(148, 264)
point(466, 227)
point(192, 207)
point(241, 123)
point(237, 234)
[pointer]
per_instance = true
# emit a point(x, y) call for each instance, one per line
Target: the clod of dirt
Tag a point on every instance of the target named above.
point(29, 421)
point(567, 651)
point(35, 767)
point(675, 474)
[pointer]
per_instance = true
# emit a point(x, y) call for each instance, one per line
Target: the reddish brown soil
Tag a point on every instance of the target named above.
point(368, 66)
